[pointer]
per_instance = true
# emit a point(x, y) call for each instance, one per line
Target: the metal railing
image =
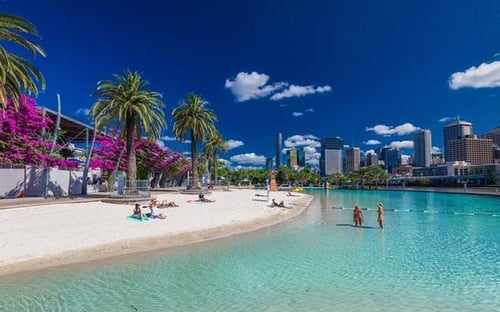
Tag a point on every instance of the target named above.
point(134, 188)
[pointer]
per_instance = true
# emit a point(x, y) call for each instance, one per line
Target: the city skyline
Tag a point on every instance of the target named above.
point(370, 73)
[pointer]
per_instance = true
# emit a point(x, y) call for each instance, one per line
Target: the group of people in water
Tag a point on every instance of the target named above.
point(357, 215)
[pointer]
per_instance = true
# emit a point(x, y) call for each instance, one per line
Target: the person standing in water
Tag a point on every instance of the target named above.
point(357, 216)
point(380, 212)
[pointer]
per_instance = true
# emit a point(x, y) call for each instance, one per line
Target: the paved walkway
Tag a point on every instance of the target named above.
point(7, 203)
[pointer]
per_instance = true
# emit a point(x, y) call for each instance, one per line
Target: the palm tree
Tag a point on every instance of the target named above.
point(125, 106)
point(195, 122)
point(16, 73)
point(215, 144)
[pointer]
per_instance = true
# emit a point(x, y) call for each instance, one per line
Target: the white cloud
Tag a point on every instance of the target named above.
point(309, 110)
point(384, 130)
point(372, 142)
point(233, 144)
point(445, 119)
point(297, 91)
point(225, 161)
point(486, 75)
point(297, 114)
point(247, 86)
point(436, 149)
point(312, 156)
point(83, 111)
point(370, 151)
point(249, 159)
point(302, 140)
point(402, 144)
point(168, 138)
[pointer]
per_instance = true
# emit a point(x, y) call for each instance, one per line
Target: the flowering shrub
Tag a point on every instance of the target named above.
point(24, 137)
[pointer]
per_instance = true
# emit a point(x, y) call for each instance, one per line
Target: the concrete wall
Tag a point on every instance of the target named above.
point(31, 181)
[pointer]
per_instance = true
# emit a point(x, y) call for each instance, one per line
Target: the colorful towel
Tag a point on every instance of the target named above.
point(132, 218)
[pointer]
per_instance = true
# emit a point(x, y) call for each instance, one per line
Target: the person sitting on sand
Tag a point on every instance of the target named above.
point(357, 216)
point(290, 194)
point(154, 213)
point(201, 197)
point(137, 212)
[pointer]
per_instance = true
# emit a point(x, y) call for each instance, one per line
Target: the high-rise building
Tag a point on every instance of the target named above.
point(391, 157)
point(471, 149)
point(278, 150)
point(455, 130)
point(494, 135)
point(352, 159)
point(301, 157)
point(331, 156)
point(422, 145)
point(269, 163)
point(292, 157)
point(371, 159)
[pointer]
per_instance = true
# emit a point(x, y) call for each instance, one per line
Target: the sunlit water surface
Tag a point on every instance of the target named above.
point(438, 252)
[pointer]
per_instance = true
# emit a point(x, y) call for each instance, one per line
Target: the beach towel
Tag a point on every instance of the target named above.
point(132, 218)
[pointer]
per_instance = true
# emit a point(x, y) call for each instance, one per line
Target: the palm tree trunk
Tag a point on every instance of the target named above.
point(215, 168)
point(131, 158)
point(194, 162)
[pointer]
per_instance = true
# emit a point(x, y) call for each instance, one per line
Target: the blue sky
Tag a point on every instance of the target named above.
point(370, 72)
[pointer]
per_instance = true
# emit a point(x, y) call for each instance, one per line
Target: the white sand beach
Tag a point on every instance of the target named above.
point(37, 237)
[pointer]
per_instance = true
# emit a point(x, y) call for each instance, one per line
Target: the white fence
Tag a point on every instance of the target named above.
point(32, 181)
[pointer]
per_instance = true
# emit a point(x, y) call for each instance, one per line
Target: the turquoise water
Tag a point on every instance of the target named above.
point(438, 252)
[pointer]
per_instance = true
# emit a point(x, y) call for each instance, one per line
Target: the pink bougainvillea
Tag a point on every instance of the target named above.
point(24, 137)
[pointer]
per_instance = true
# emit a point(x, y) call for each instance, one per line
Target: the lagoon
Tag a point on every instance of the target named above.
point(438, 252)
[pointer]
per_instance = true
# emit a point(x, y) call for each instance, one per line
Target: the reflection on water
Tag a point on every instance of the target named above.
point(432, 244)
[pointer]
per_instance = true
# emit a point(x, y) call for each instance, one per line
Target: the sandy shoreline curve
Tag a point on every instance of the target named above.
point(39, 237)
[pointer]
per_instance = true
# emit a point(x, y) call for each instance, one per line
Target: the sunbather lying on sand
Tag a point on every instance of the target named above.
point(167, 204)
point(275, 204)
point(201, 197)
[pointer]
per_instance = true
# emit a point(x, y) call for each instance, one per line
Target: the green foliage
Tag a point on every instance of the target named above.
point(16, 73)
point(128, 108)
point(194, 122)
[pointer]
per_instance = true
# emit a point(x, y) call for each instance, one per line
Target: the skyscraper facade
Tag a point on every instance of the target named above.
point(292, 157)
point(471, 149)
point(455, 130)
point(331, 156)
point(278, 150)
point(494, 135)
point(371, 159)
point(352, 159)
point(423, 148)
point(301, 157)
point(391, 158)
point(269, 163)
